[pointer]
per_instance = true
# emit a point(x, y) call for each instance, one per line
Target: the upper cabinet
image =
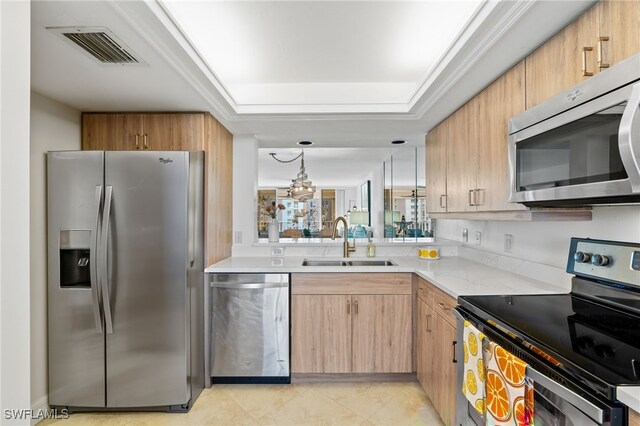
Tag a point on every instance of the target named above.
point(603, 36)
point(467, 153)
point(176, 132)
point(467, 166)
point(130, 132)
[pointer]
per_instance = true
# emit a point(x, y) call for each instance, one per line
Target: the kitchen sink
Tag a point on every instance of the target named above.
point(376, 262)
point(371, 263)
point(323, 263)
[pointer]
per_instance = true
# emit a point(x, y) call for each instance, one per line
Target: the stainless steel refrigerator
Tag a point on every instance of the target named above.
point(125, 279)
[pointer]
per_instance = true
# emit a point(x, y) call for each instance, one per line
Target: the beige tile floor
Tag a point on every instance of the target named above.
point(394, 404)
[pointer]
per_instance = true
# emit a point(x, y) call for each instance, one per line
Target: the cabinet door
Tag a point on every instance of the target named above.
point(157, 132)
point(187, 132)
point(432, 350)
point(462, 161)
point(618, 31)
point(436, 169)
point(447, 371)
point(422, 353)
point(320, 334)
point(382, 334)
point(497, 104)
point(557, 65)
point(112, 132)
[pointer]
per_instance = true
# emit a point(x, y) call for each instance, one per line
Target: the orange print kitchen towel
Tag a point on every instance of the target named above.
point(473, 380)
point(509, 393)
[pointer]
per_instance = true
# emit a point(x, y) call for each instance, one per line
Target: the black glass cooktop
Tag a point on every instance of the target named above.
point(599, 339)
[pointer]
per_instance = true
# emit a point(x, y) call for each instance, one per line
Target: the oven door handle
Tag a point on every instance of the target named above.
point(629, 138)
point(590, 409)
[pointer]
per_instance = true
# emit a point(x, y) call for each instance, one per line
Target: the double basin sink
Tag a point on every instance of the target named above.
point(345, 262)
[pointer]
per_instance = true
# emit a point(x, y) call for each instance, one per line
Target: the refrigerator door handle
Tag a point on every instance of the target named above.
point(93, 267)
point(106, 302)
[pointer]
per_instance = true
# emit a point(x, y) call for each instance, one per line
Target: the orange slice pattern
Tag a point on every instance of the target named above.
point(497, 397)
point(513, 369)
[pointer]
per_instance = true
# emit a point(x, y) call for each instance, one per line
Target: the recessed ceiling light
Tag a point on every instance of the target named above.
point(305, 143)
point(398, 142)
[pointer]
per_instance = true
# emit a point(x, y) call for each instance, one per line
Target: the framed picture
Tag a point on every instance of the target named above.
point(365, 196)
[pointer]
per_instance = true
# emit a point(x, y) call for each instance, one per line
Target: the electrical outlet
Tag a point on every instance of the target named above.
point(277, 251)
point(508, 242)
point(478, 238)
point(238, 237)
point(465, 235)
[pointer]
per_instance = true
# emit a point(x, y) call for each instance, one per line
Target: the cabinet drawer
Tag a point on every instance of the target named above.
point(351, 283)
point(424, 292)
point(443, 305)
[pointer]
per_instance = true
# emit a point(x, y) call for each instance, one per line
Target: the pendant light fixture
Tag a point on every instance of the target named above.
point(301, 187)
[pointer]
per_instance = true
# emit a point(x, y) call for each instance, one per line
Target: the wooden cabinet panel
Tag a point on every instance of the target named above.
point(111, 132)
point(157, 132)
point(381, 334)
point(619, 22)
point(462, 161)
point(436, 169)
point(350, 283)
point(436, 335)
point(497, 104)
point(187, 132)
point(351, 331)
point(634, 418)
point(320, 334)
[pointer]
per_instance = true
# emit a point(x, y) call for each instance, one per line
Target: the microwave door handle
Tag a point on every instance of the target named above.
point(629, 138)
point(105, 269)
point(591, 410)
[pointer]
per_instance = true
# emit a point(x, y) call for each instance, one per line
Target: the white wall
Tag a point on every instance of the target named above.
point(245, 187)
point(547, 242)
point(15, 24)
point(54, 126)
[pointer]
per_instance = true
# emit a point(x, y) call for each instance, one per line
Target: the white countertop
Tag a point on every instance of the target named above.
point(455, 275)
point(629, 396)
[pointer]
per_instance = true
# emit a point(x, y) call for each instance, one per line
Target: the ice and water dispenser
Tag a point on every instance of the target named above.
point(75, 253)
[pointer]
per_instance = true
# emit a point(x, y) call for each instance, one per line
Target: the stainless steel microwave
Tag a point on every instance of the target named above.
point(581, 147)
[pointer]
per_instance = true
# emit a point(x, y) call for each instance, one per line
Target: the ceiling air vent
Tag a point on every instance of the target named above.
point(100, 43)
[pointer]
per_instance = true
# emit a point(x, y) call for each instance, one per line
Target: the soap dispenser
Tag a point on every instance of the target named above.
point(371, 249)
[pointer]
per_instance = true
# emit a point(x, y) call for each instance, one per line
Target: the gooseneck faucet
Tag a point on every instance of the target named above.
point(346, 247)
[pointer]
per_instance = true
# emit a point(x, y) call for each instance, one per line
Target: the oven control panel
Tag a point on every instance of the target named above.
point(606, 260)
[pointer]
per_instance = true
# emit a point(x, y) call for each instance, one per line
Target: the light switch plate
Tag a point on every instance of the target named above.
point(277, 251)
point(478, 238)
point(465, 235)
point(238, 237)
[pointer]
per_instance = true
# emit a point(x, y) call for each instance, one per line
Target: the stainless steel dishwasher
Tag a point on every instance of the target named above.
point(249, 328)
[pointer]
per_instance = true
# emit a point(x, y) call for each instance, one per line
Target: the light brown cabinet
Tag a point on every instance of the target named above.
point(345, 323)
point(634, 418)
point(131, 132)
point(436, 342)
point(176, 132)
point(604, 35)
point(474, 143)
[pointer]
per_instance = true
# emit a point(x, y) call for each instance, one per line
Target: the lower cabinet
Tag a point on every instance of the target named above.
point(358, 331)
point(436, 341)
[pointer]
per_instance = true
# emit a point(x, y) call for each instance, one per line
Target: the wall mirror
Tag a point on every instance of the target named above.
point(349, 182)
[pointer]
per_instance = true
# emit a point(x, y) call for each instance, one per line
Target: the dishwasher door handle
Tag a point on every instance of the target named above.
point(248, 286)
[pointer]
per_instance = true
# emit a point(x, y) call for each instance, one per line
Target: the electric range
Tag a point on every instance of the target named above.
point(588, 341)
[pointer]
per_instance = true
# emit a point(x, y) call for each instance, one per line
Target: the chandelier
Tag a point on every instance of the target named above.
point(301, 187)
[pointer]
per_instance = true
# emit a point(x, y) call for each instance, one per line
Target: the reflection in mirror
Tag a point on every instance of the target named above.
point(405, 215)
point(349, 182)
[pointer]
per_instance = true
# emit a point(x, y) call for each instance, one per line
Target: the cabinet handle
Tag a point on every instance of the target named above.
point(427, 323)
point(455, 361)
point(476, 197)
point(443, 306)
point(469, 195)
point(348, 307)
point(356, 306)
point(423, 291)
point(585, 73)
point(137, 141)
point(601, 64)
point(145, 141)
point(443, 205)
